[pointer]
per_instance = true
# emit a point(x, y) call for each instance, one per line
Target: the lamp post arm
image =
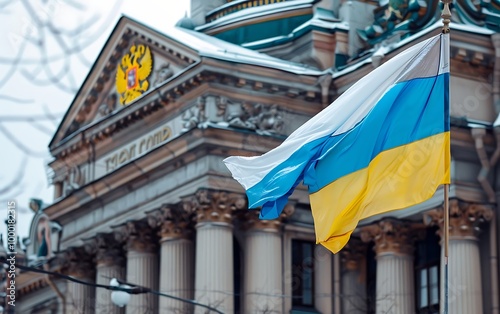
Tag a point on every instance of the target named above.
point(134, 289)
point(168, 296)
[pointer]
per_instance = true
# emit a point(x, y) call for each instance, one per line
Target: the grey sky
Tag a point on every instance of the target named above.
point(24, 158)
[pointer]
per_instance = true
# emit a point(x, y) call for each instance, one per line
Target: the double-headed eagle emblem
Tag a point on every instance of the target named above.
point(132, 73)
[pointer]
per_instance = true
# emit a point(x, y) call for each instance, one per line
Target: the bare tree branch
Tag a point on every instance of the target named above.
point(16, 100)
point(31, 118)
point(74, 34)
point(16, 181)
point(4, 5)
point(21, 146)
point(13, 65)
point(47, 52)
point(17, 178)
point(50, 115)
point(42, 128)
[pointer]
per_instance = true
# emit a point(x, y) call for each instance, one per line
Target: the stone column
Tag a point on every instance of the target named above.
point(353, 288)
point(395, 272)
point(142, 264)
point(464, 272)
point(176, 258)
point(110, 263)
point(323, 279)
point(214, 273)
point(79, 298)
point(263, 274)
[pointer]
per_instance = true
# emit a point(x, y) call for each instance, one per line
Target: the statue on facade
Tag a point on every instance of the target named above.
point(43, 238)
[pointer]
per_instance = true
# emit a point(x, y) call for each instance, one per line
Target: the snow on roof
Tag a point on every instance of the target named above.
point(211, 47)
point(386, 49)
point(343, 25)
point(322, 19)
point(489, 12)
point(253, 12)
point(471, 28)
point(293, 35)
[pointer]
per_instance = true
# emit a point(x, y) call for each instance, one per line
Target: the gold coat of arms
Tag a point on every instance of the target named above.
point(132, 73)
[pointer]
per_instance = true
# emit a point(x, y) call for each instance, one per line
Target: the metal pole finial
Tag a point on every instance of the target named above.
point(446, 15)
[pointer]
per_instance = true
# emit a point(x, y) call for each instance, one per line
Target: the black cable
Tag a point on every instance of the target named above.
point(134, 289)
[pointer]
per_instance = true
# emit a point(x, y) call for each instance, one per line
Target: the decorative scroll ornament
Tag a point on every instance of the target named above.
point(353, 254)
point(251, 221)
point(465, 219)
point(213, 205)
point(173, 222)
point(390, 236)
point(132, 73)
point(137, 235)
point(108, 251)
point(78, 262)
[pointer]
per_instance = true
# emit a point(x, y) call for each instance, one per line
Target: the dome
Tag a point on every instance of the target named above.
point(186, 22)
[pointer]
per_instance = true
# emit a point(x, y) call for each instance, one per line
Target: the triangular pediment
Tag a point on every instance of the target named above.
point(134, 60)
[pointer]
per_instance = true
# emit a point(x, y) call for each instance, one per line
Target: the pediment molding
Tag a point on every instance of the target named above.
point(131, 136)
point(95, 113)
point(95, 97)
point(165, 96)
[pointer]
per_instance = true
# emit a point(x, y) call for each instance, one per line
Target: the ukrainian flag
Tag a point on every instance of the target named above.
point(383, 145)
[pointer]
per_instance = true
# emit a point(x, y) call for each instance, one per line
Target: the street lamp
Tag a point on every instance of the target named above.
point(119, 298)
point(115, 286)
point(122, 291)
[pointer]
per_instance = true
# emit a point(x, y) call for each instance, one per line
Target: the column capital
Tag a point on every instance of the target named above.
point(78, 262)
point(137, 235)
point(108, 250)
point(172, 222)
point(465, 218)
point(390, 236)
point(214, 205)
point(251, 221)
point(353, 254)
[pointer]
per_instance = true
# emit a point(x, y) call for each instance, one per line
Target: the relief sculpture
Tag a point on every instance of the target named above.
point(264, 119)
point(163, 74)
point(194, 115)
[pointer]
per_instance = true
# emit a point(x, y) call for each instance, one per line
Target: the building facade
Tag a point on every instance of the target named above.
point(142, 195)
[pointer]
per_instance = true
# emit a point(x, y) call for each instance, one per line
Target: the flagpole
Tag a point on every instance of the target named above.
point(446, 16)
point(446, 235)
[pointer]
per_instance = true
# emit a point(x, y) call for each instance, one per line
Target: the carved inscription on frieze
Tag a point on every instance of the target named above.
point(138, 148)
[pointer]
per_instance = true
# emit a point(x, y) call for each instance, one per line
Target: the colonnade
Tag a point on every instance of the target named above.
point(169, 253)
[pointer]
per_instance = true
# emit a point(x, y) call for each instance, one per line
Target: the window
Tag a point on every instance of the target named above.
point(303, 274)
point(427, 260)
